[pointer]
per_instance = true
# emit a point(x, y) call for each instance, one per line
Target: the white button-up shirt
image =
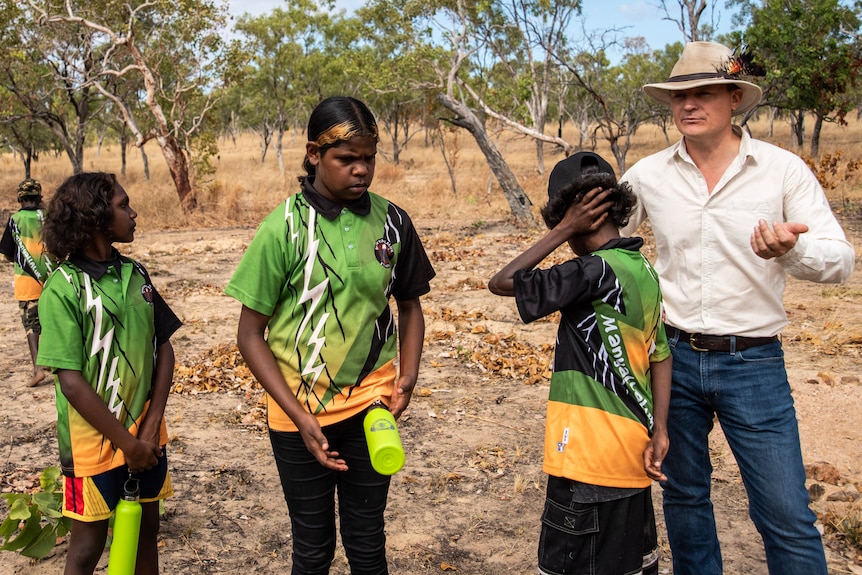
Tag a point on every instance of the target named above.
point(711, 279)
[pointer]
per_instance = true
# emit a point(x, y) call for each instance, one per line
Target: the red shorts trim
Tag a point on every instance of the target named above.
point(74, 499)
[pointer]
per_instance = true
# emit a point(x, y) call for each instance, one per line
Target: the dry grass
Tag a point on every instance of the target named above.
point(244, 190)
point(846, 525)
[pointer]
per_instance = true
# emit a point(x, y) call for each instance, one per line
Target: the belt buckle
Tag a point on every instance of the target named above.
point(693, 345)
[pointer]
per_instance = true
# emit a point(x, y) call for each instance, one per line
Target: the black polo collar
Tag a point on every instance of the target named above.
point(329, 209)
point(97, 269)
point(633, 243)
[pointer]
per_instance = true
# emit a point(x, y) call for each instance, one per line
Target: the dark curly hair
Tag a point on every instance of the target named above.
point(622, 199)
point(79, 207)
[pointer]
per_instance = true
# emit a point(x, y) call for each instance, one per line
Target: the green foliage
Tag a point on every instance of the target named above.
point(202, 150)
point(35, 522)
point(809, 49)
point(296, 58)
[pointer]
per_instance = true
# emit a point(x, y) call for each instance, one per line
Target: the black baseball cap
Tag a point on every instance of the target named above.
point(572, 168)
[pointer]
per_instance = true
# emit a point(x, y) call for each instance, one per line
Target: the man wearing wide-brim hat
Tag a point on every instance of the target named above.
point(732, 216)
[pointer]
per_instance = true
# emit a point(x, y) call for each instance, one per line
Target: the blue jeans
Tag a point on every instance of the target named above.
point(309, 489)
point(749, 393)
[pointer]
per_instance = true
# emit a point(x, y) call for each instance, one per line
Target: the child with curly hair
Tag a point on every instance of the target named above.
point(107, 340)
point(605, 433)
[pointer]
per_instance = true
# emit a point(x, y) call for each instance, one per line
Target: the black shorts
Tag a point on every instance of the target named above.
point(607, 538)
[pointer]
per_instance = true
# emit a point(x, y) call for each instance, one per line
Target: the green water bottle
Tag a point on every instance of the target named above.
point(384, 443)
point(127, 529)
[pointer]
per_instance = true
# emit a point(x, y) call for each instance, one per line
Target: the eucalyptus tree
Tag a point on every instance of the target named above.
point(178, 52)
point(518, 31)
point(20, 132)
point(812, 56)
point(392, 71)
point(610, 95)
point(468, 44)
point(25, 137)
point(457, 93)
point(47, 69)
point(625, 108)
point(448, 38)
point(127, 89)
point(656, 67)
point(687, 17)
point(295, 62)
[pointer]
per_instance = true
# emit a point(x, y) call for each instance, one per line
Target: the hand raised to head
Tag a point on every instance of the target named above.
point(587, 215)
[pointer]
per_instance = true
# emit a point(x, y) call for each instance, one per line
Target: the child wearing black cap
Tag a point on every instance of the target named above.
point(605, 433)
point(22, 244)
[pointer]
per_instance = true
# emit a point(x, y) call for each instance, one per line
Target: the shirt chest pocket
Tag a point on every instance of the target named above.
point(734, 221)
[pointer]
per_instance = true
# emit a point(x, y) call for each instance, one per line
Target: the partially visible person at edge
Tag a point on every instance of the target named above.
point(318, 333)
point(732, 216)
point(605, 436)
point(22, 244)
point(107, 339)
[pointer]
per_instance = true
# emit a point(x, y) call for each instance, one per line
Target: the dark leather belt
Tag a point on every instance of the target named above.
point(703, 342)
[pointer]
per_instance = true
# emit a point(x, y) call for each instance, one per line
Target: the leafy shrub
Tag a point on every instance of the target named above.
point(35, 522)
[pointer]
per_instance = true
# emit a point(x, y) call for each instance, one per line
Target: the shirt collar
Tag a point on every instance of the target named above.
point(746, 150)
point(97, 269)
point(633, 244)
point(329, 209)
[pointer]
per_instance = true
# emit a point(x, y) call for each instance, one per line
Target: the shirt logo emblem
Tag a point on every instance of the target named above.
point(383, 252)
point(147, 293)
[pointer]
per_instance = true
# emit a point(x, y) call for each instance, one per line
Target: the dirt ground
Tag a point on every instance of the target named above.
point(470, 496)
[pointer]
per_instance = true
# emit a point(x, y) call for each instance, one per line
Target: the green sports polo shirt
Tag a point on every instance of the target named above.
point(600, 408)
point(22, 243)
point(106, 320)
point(324, 275)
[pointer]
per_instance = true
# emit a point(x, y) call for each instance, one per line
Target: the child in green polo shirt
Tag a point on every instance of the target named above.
point(606, 424)
point(317, 332)
point(107, 340)
point(22, 244)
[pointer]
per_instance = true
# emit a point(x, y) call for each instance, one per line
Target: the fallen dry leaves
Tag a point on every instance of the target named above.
point(493, 354)
point(220, 368)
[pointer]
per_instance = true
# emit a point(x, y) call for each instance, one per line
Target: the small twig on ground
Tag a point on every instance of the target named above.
point(482, 419)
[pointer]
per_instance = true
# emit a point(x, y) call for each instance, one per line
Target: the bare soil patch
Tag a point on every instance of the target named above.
point(470, 496)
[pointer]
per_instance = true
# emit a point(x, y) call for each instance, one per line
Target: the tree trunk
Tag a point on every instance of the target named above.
point(540, 157)
point(396, 150)
point(234, 127)
point(815, 134)
point(281, 123)
point(541, 117)
point(279, 146)
point(519, 203)
point(446, 160)
point(265, 139)
point(797, 124)
point(28, 161)
point(99, 140)
point(178, 165)
point(773, 113)
point(124, 143)
point(146, 161)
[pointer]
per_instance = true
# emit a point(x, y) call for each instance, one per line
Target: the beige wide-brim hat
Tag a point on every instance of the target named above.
point(703, 64)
